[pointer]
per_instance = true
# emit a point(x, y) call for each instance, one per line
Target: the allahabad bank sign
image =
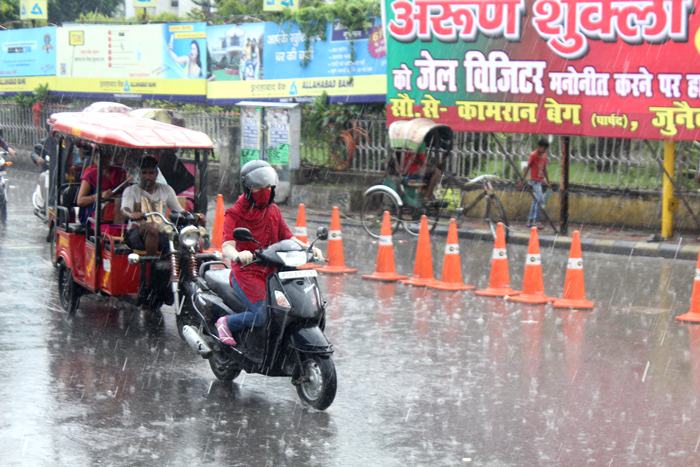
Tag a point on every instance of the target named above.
point(608, 68)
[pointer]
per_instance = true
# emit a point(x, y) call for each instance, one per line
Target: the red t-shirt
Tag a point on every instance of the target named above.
point(267, 227)
point(115, 176)
point(537, 164)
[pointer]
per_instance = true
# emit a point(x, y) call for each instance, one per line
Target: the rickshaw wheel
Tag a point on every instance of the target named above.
point(373, 207)
point(495, 213)
point(413, 226)
point(68, 291)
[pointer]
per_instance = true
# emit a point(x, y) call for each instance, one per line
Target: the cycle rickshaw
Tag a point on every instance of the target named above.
point(417, 183)
point(92, 256)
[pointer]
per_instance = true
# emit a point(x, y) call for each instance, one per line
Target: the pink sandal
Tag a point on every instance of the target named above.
point(224, 333)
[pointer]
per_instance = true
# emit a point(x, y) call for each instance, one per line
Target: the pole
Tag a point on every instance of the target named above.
point(564, 188)
point(667, 198)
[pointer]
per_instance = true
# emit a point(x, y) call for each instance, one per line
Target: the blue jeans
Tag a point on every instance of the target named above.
point(539, 201)
point(253, 317)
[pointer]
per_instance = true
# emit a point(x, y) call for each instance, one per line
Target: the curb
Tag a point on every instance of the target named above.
point(621, 247)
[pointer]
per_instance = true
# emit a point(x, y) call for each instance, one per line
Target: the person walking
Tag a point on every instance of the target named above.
point(537, 179)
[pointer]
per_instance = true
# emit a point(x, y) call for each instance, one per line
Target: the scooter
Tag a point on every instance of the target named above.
point(290, 344)
point(4, 164)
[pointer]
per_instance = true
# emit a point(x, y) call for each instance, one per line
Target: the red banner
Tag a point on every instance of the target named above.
point(614, 68)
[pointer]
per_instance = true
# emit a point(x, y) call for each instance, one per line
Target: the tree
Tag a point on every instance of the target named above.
point(65, 11)
point(9, 10)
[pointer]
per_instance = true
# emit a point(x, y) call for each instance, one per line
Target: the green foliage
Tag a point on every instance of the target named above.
point(63, 11)
point(40, 94)
point(9, 10)
point(325, 121)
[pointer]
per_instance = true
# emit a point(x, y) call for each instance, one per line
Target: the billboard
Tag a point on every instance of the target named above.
point(161, 60)
point(270, 61)
point(280, 5)
point(610, 68)
point(27, 58)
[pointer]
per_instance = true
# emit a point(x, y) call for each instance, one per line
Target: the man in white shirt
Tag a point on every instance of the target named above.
point(148, 196)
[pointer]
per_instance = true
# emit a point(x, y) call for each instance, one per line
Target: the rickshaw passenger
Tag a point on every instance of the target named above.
point(148, 196)
point(112, 177)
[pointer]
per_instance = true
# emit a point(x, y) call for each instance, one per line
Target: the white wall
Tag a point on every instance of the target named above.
point(183, 7)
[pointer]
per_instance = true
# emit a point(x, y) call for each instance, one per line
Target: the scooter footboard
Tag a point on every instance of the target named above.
point(311, 340)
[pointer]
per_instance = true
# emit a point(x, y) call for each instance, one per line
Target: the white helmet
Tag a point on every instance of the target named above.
point(258, 174)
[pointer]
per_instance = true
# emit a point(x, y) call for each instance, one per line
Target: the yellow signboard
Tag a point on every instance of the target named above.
point(24, 83)
point(132, 86)
point(76, 38)
point(304, 87)
point(33, 9)
point(145, 3)
point(280, 5)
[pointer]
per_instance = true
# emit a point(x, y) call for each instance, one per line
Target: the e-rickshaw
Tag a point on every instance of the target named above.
point(92, 256)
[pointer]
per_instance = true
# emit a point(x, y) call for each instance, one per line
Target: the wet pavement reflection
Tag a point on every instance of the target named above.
point(425, 377)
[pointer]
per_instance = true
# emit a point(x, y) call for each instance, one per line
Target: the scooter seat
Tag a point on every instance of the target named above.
point(218, 280)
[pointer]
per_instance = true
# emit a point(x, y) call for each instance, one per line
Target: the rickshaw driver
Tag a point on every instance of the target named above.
point(148, 196)
point(256, 211)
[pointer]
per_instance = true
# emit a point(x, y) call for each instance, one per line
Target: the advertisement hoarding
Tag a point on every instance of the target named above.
point(595, 67)
point(270, 61)
point(27, 58)
point(167, 60)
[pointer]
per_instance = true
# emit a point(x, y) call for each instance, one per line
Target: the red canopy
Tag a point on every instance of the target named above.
point(124, 130)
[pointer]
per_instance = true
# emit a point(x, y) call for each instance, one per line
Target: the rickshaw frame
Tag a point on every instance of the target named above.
point(93, 263)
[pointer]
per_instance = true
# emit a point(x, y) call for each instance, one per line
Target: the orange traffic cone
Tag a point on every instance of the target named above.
point(336, 257)
point(451, 264)
point(499, 279)
point(217, 231)
point(533, 284)
point(423, 267)
point(693, 314)
point(386, 269)
point(574, 295)
point(300, 231)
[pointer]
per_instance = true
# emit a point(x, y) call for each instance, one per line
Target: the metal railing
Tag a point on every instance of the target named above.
point(599, 163)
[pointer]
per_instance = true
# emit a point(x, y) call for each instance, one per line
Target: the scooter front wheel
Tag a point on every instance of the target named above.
point(222, 368)
point(318, 383)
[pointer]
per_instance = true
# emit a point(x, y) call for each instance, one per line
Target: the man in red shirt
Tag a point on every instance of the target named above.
point(537, 168)
point(256, 211)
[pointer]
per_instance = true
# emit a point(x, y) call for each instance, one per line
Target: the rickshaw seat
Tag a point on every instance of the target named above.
point(219, 281)
point(76, 228)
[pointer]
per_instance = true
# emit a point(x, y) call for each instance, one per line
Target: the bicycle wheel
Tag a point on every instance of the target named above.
point(495, 213)
point(373, 207)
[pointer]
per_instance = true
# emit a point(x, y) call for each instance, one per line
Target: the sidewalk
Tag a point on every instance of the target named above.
point(619, 241)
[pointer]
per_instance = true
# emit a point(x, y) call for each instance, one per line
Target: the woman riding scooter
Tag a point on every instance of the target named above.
point(256, 211)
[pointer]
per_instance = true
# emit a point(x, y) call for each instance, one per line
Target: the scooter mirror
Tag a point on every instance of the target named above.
point(322, 233)
point(241, 234)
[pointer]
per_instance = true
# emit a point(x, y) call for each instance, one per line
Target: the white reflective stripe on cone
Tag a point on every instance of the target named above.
point(499, 253)
point(385, 240)
point(534, 260)
point(334, 235)
point(452, 249)
point(575, 263)
point(697, 274)
point(300, 231)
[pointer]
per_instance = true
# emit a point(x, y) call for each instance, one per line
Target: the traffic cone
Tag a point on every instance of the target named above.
point(499, 279)
point(300, 231)
point(386, 269)
point(533, 284)
point(451, 277)
point(217, 231)
point(574, 295)
point(423, 267)
point(336, 257)
point(693, 314)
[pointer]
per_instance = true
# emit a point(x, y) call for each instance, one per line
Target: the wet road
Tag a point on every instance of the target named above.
point(425, 378)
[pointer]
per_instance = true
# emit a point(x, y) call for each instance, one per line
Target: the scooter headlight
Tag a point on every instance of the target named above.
point(292, 259)
point(189, 236)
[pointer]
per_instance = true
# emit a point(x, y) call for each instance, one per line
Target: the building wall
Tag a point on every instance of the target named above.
point(178, 7)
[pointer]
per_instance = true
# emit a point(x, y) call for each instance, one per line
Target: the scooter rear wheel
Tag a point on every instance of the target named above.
point(222, 368)
point(318, 382)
